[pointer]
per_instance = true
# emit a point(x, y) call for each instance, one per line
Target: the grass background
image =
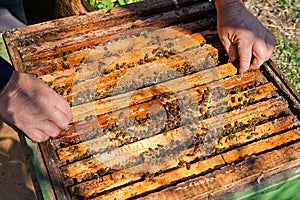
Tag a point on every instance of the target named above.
point(282, 17)
point(102, 4)
point(279, 16)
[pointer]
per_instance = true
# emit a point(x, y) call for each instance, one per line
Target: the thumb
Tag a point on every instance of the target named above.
point(245, 54)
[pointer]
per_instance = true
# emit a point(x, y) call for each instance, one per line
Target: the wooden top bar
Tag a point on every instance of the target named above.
point(157, 113)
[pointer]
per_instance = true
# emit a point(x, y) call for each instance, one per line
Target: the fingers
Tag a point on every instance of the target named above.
point(45, 112)
point(259, 54)
point(262, 50)
point(44, 130)
point(36, 135)
point(256, 63)
point(232, 52)
point(49, 128)
point(243, 36)
point(56, 109)
point(59, 118)
point(245, 50)
point(230, 48)
point(54, 100)
point(55, 117)
point(55, 114)
point(64, 107)
point(252, 56)
point(245, 54)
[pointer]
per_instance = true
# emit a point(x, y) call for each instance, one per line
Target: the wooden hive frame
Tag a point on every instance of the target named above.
point(219, 144)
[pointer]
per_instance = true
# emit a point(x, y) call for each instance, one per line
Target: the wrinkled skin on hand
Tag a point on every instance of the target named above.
point(33, 107)
point(242, 35)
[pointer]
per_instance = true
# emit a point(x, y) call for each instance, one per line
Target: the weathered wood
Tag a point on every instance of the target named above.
point(60, 31)
point(126, 176)
point(153, 110)
point(102, 67)
point(108, 104)
point(35, 51)
point(202, 166)
point(141, 111)
point(74, 59)
point(248, 172)
point(182, 138)
point(135, 41)
point(79, 132)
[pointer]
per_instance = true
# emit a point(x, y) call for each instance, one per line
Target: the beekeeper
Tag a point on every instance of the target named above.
point(33, 107)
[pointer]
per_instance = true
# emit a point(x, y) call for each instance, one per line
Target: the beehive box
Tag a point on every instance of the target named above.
point(157, 112)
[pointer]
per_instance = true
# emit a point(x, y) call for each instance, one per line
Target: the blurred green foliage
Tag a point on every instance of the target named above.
point(102, 4)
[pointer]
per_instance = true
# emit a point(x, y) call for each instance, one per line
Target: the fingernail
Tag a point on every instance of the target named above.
point(242, 71)
point(64, 125)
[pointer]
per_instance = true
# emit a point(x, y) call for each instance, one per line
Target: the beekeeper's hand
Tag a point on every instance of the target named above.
point(29, 104)
point(242, 35)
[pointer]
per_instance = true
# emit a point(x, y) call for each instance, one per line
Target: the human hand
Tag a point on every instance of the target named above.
point(242, 35)
point(33, 107)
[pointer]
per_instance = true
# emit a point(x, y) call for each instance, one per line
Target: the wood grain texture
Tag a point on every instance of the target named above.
point(158, 112)
point(212, 184)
